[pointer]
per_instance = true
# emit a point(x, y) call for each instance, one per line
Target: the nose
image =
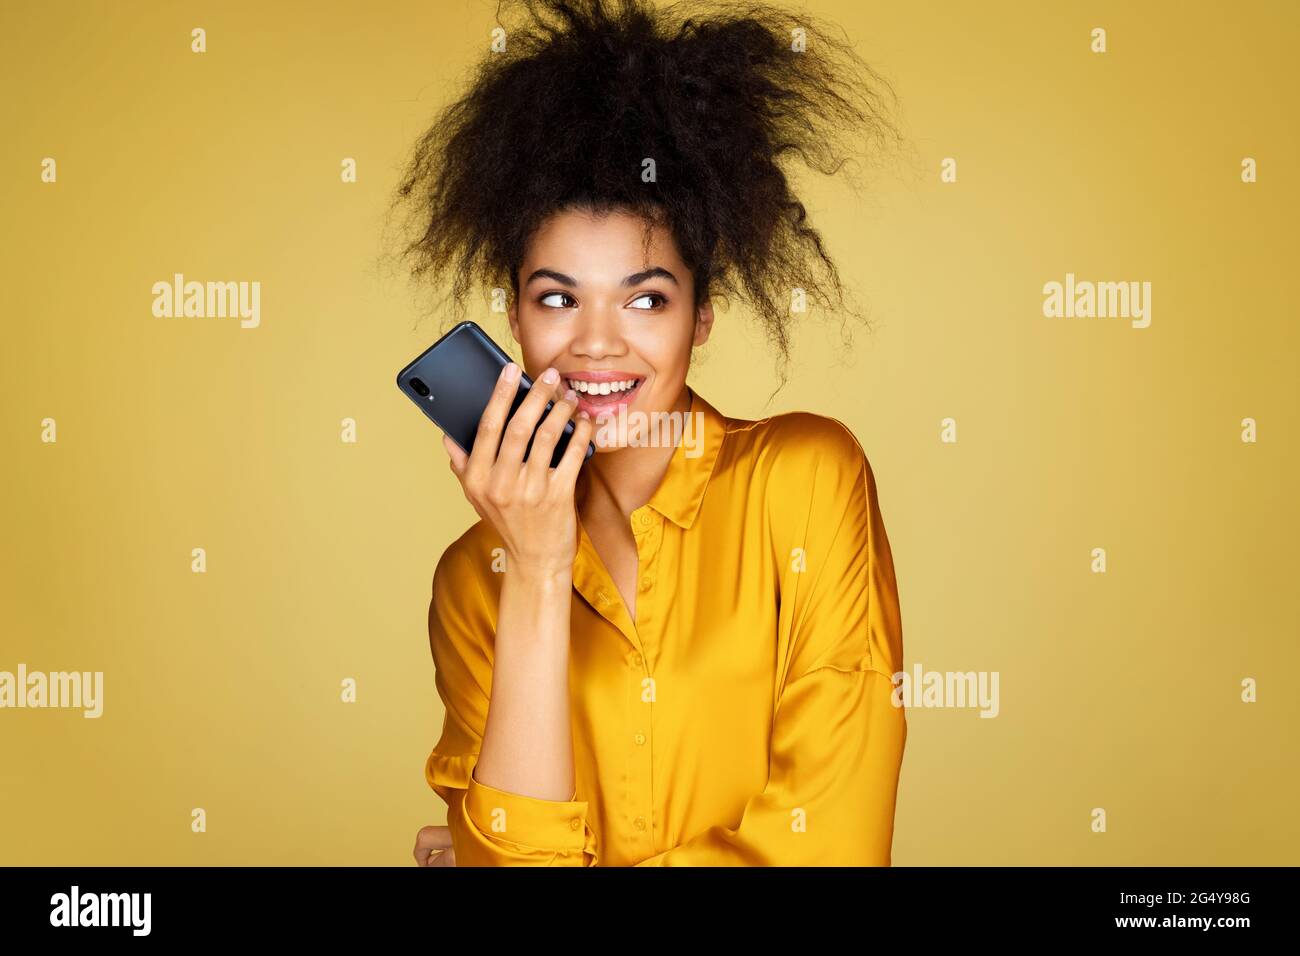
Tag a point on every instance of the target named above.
point(598, 333)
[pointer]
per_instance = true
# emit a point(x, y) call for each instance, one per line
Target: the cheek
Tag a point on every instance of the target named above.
point(670, 354)
point(540, 345)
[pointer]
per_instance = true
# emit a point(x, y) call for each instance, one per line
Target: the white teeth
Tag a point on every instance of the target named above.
point(602, 388)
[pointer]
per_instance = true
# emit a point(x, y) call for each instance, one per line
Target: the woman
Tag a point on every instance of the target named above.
point(680, 652)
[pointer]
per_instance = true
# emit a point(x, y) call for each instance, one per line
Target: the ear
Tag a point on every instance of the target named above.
point(703, 322)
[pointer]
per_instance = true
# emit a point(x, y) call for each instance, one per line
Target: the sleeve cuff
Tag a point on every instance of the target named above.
point(555, 825)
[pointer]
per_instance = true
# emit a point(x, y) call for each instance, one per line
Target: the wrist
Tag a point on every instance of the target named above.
point(540, 575)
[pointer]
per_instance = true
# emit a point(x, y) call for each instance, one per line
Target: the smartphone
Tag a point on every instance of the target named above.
point(452, 381)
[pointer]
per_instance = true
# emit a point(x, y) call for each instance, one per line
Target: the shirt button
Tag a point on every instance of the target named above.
point(640, 738)
point(602, 596)
point(645, 520)
point(575, 823)
point(647, 583)
point(636, 659)
point(640, 823)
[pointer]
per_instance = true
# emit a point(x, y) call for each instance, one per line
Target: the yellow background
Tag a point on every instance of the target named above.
point(1119, 690)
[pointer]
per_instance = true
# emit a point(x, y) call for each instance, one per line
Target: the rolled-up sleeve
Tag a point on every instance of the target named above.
point(839, 729)
point(489, 827)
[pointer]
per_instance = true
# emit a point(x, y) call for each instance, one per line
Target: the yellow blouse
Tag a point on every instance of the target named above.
point(746, 717)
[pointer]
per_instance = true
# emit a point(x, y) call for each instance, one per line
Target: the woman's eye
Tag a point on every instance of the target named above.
point(650, 295)
point(552, 295)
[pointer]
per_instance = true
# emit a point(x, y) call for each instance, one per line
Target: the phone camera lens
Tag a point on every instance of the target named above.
point(420, 387)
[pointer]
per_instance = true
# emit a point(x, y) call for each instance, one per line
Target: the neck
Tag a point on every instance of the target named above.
point(627, 478)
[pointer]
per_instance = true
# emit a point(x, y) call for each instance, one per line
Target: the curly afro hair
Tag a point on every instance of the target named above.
point(718, 95)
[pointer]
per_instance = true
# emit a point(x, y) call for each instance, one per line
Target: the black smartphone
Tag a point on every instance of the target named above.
point(452, 381)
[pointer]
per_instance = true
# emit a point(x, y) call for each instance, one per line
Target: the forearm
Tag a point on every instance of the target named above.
point(528, 737)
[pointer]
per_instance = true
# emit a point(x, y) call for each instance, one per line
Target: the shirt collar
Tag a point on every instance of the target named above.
point(681, 492)
point(678, 498)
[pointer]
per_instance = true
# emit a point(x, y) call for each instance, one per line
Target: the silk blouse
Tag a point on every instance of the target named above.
point(746, 717)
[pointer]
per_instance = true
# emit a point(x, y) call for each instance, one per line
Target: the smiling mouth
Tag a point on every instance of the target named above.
point(603, 397)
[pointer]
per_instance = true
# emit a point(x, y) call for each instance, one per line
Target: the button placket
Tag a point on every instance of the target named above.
point(647, 531)
point(640, 796)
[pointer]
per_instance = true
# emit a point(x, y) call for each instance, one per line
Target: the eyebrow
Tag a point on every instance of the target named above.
point(636, 278)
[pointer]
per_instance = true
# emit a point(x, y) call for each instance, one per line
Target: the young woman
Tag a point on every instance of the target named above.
point(680, 652)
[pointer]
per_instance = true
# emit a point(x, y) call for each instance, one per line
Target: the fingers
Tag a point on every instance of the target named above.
point(430, 840)
point(520, 427)
point(433, 838)
point(567, 470)
point(490, 424)
point(437, 858)
point(548, 435)
point(455, 454)
point(445, 858)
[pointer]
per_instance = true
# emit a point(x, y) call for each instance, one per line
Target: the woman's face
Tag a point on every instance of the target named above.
point(618, 327)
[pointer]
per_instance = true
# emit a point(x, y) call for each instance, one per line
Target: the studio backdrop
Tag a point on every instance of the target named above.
point(1078, 395)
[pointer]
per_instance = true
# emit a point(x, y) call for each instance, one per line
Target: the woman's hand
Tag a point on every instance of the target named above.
point(530, 504)
point(429, 841)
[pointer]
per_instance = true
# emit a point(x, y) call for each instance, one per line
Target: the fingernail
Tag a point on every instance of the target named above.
point(583, 414)
point(550, 376)
point(570, 396)
point(511, 373)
